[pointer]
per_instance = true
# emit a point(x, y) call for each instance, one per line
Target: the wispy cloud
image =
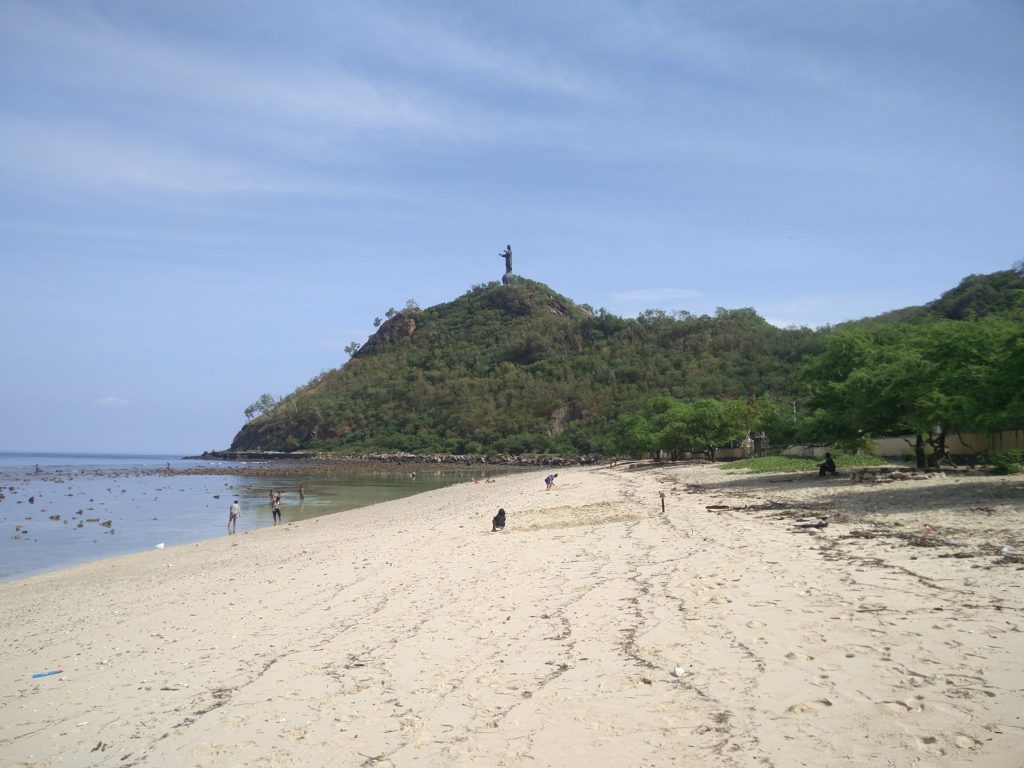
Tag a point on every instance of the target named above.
point(433, 43)
point(112, 401)
point(83, 154)
point(177, 115)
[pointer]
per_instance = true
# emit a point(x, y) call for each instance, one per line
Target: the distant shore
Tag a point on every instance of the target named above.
point(295, 463)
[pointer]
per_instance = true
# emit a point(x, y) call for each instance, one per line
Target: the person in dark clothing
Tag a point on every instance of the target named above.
point(827, 467)
point(498, 523)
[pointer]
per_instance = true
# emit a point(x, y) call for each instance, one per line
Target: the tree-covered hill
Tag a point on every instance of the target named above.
point(519, 368)
point(954, 365)
point(976, 296)
point(515, 367)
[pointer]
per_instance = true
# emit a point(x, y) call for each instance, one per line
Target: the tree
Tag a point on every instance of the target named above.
point(264, 404)
point(631, 436)
point(928, 379)
point(376, 322)
point(702, 424)
point(351, 348)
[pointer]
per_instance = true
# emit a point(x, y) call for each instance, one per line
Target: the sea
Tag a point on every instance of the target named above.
point(62, 509)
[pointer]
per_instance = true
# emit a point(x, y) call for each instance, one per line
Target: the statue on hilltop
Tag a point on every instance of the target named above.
point(507, 256)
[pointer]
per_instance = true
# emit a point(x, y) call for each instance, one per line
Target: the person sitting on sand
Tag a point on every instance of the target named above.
point(498, 523)
point(827, 467)
point(549, 481)
point(233, 516)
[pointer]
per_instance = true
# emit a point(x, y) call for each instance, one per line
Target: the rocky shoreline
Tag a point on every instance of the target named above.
point(272, 462)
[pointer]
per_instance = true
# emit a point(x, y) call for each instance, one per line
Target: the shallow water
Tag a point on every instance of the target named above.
point(145, 508)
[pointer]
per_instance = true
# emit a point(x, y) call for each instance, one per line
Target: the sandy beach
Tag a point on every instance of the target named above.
point(757, 621)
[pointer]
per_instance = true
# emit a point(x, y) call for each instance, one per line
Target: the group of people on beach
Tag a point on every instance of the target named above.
point(275, 508)
point(498, 521)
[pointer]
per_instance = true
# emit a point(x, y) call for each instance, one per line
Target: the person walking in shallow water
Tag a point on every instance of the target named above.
point(233, 514)
point(276, 508)
point(302, 492)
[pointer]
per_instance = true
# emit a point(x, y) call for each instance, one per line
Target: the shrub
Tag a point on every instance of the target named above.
point(1006, 462)
point(799, 464)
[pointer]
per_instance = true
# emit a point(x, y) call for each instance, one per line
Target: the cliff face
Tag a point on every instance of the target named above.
point(392, 330)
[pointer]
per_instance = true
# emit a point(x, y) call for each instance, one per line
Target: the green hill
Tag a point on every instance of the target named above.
point(520, 368)
point(975, 297)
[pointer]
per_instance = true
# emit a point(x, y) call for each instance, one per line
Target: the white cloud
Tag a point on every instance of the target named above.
point(83, 154)
point(112, 401)
point(435, 43)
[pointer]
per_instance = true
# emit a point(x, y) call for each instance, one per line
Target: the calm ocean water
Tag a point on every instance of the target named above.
point(54, 516)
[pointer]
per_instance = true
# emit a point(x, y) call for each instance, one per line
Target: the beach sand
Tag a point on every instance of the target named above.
point(596, 630)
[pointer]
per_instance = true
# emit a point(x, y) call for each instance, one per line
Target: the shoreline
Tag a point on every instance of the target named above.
point(729, 630)
point(327, 460)
point(58, 517)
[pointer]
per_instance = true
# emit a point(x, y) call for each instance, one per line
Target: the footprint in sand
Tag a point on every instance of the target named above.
point(799, 656)
point(937, 745)
point(809, 706)
point(915, 704)
point(964, 741)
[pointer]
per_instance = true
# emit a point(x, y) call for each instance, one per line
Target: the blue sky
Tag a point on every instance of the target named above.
point(202, 202)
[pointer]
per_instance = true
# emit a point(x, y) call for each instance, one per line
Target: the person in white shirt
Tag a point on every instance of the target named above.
point(233, 516)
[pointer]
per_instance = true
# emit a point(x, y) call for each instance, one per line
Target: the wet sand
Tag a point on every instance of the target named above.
point(729, 630)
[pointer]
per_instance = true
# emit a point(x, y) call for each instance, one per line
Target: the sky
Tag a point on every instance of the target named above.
point(204, 201)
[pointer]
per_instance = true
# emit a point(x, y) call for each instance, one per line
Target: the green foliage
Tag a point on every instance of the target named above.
point(516, 367)
point(496, 368)
point(976, 296)
point(911, 378)
point(800, 464)
point(265, 403)
point(1006, 462)
point(703, 423)
point(631, 436)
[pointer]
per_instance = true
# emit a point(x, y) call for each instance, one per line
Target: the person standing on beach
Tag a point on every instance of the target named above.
point(549, 481)
point(276, 507)
point(233, 516)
